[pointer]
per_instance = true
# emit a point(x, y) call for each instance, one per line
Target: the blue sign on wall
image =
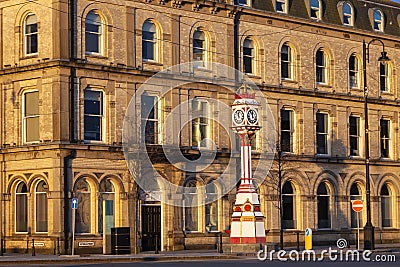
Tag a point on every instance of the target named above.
point(74, 203)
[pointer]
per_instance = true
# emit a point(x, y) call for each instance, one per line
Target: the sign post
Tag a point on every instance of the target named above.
point(308, 239)
point(358, 206)
point(74, 206)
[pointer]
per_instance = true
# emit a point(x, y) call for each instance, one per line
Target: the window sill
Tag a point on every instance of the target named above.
point(322, 155)
point(386, 159)
point(29, 56)
point(288, 80)
point(152, 62)
point(93, 142)
point(95, 55)
point(323, 85)
point(253, 76)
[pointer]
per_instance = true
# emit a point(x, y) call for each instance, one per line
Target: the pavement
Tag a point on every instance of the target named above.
point(184, 255)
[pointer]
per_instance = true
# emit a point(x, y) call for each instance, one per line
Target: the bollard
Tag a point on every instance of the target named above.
point(33, 247)
point(298, 241)
point(157, 252)
point(220, 250)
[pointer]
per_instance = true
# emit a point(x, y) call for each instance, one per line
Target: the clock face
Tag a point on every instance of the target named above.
point(238, 116)
point(252, 116)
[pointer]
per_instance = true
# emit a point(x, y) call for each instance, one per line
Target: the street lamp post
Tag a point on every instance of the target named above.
point(369, 236)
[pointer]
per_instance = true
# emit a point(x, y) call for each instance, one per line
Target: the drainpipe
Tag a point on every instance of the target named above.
point(67, 164)
point(72, 78)
point(236, 52)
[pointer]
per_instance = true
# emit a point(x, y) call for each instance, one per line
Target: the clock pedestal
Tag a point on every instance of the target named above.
point(247, 219)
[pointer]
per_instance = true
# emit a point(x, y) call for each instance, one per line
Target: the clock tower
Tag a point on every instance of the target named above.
point(247, 225)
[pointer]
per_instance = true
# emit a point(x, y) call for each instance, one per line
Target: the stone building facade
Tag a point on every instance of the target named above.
point(69, 70)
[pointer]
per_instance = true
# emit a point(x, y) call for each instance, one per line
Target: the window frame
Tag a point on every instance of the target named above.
point(360, 196)
point(158, 135)
point(26, 210)
point(283, 4)
point(355, 72)
point(93, 214)
point(326, 133)
point(197, 120)
point(196, 209)
point(36, 207)
point(252, 56)
point(216, 203)
point(390, 198)
point(385, 140)
point(378, 23)
point(328, 195)
point(100, 34)
point(24, 117)
point(155, 42)
point(349, 16)
point(317, 10)
point(204, 49)
point(244, 3)
point(323, 69)
point(385, 73)
point(291, 131)
point(28, 35)
point(290, 62)
point(103, 124)
point(357, 135)
point(295, 213)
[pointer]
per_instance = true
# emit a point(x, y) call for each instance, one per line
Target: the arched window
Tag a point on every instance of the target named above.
point(321, 67)
point(211, 208)
point(21, 208)
point(355, 194)
point(30, 35)
point(249, 56)
point(315, 9)
point(287, 62)
point(387, 206)
point(200, 48)
point(348, 17)
point(94, 33)
point(41, 207)
point(191, 207)
point(106, 206)
point(149, 41)
point(378, 20)
point(384, 77)
point(324, 210)
point(289, 206)
point(354, 71)
point(83, 216)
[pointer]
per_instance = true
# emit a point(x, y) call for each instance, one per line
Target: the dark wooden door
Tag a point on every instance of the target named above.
point(151, 228)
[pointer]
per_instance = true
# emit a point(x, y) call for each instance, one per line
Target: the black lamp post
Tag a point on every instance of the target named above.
point(369, 236)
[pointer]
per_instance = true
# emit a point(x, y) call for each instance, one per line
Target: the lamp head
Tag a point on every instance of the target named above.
point(384, 59)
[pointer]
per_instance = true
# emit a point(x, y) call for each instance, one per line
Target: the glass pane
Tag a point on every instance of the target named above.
point(92, 43)
point(354, 125)
point(287, 188)
point(32, 129)
point(31, 103)
point(322, 144)
point(148, 26)
point(149, 36)
point(346, 9)
point(83, 213)
point(106, 207)
point(386, 211)
point(212, 216)
point(148, 104)
point(322, 190)
point(150, 132)
point(92, 18)
point(248, 64)
point(321, 123)
point(41, 212)
point(354, 146)
point(323, 212)
point(279, 6)
point(31, 19)
point(148, 50)
point(21, 201)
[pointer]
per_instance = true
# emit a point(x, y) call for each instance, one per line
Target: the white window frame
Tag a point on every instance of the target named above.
point(197, 121)
point(317, 10)
point(290, 62)
point(324, 67)
point(103, 129)
point(27, 35)
point(349, 16)
point(204, 49)
point(24, 118)
point(358, 135)
point(154, 41)
point(388, 138)
point(158, 120)
point(378, 23)
point(15, 207)
point(292, 116)
point(36, 208)
point(356, 72)
point(252, 57)
point(284, 4)
point(244, 3)
point(100, 34)
point(386, 76)
point(327, 134)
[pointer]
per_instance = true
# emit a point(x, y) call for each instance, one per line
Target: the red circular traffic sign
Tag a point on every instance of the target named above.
point(357, 205)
